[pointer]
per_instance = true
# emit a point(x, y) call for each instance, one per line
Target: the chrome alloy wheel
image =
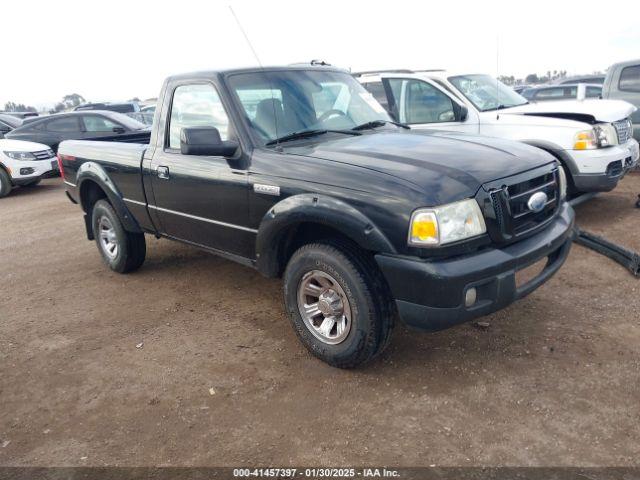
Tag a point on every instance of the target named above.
point(108, 238)
point(324, 307)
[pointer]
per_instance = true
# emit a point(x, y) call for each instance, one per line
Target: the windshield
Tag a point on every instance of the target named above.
point(125, 120)
point(486, 93)
point(282, 102)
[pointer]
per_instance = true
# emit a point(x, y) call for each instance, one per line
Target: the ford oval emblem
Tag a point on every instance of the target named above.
point(537, 201)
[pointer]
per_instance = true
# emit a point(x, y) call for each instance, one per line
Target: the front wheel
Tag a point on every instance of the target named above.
point(122, 251)
point(338, 303)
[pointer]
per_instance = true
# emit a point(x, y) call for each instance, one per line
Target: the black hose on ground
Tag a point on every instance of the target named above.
point(627, 258)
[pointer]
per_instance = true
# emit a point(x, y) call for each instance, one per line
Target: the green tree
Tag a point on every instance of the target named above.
point(18, 107)
point(532, 78)
point(73, 100)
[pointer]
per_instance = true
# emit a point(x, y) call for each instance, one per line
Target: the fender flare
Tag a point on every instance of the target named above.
point(94, 172)
point(557, 152)
point(319, 209)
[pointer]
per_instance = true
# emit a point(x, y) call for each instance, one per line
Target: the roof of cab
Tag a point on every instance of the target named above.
point(232, 71)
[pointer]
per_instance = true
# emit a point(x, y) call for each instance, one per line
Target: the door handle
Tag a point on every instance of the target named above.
point(163, 172)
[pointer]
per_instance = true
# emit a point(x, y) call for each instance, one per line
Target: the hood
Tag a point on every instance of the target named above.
point(589, 111)
point(446, 165)
point(21, 146)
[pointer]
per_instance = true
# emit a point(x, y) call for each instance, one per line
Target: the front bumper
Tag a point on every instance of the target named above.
point(429, 294)
point(600, 170)
point(27, 171)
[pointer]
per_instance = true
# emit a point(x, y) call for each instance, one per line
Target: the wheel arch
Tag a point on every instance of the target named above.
point(300, 219)
point(94, 184)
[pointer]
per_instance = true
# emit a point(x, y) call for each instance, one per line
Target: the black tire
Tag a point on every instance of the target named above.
point(371, 305)
point(32, 184)
point(130, 247)
point(5, 183)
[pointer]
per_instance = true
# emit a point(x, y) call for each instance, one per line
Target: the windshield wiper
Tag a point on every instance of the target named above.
point(379, 123)
point(502, 107)
point(307, 133)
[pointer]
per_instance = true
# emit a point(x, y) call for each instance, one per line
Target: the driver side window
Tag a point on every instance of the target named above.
point(196, 105)
point(419, 102)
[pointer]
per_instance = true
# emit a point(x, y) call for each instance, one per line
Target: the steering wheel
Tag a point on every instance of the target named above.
point(328, 113)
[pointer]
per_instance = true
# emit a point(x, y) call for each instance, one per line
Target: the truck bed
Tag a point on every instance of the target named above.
point(121, 159)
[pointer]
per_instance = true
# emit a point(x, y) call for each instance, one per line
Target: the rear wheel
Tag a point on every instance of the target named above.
point(122, 251)
point(338, 303)
point(5, 183)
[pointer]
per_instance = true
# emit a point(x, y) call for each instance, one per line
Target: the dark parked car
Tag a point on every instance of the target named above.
point(96, 124)
point(21, 115)
point(299, 172)
point(562, 92)
point(123, 107)
point(8, 123)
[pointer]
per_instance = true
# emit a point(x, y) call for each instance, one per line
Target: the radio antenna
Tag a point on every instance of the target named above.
point(497, 77)
point(255, 54)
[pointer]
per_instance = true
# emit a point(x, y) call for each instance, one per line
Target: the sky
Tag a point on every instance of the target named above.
point(117, 50)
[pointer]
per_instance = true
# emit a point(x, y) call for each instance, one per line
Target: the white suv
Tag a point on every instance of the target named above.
point(24, 164)
point(591, 138)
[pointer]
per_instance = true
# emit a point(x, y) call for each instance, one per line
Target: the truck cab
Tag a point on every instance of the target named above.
point(590, 138)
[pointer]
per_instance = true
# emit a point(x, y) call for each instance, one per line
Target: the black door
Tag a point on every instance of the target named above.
point(201, 199)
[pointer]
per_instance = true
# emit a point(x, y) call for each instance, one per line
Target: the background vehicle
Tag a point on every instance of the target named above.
point(123, 107)
point(21, 114)
point(300, 173)
point(131, 109)
point(546, 93)
point(596, 79)
point(94, 124)
point(591, 138)
point(623, 83)
point(24, 164)
point(521, 88)
point(8, 123)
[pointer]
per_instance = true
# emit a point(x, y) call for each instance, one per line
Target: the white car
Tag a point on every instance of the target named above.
point(592, 139)
point(24, 164)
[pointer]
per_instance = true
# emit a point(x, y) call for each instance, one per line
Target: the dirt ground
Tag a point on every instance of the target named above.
point(221, 379)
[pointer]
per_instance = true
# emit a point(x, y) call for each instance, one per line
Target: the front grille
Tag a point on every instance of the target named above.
point(512, 214)
point(43, 154)
point(624, 129)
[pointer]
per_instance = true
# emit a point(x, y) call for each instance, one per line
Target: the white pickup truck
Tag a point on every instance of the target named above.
point(591, 138)
point(24, 164)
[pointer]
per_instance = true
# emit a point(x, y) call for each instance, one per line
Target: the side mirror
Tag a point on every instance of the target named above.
point(118, 130)
point(461, 112)
point(205, 141)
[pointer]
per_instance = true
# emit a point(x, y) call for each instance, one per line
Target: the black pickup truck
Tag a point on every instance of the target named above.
point(298, 172)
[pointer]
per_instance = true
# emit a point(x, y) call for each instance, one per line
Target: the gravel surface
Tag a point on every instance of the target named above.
point(190, 361)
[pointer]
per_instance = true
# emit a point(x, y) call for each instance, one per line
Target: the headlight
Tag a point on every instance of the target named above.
point(20, 155)
point(431, 227)
point(601, 135)
point(562, 182)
